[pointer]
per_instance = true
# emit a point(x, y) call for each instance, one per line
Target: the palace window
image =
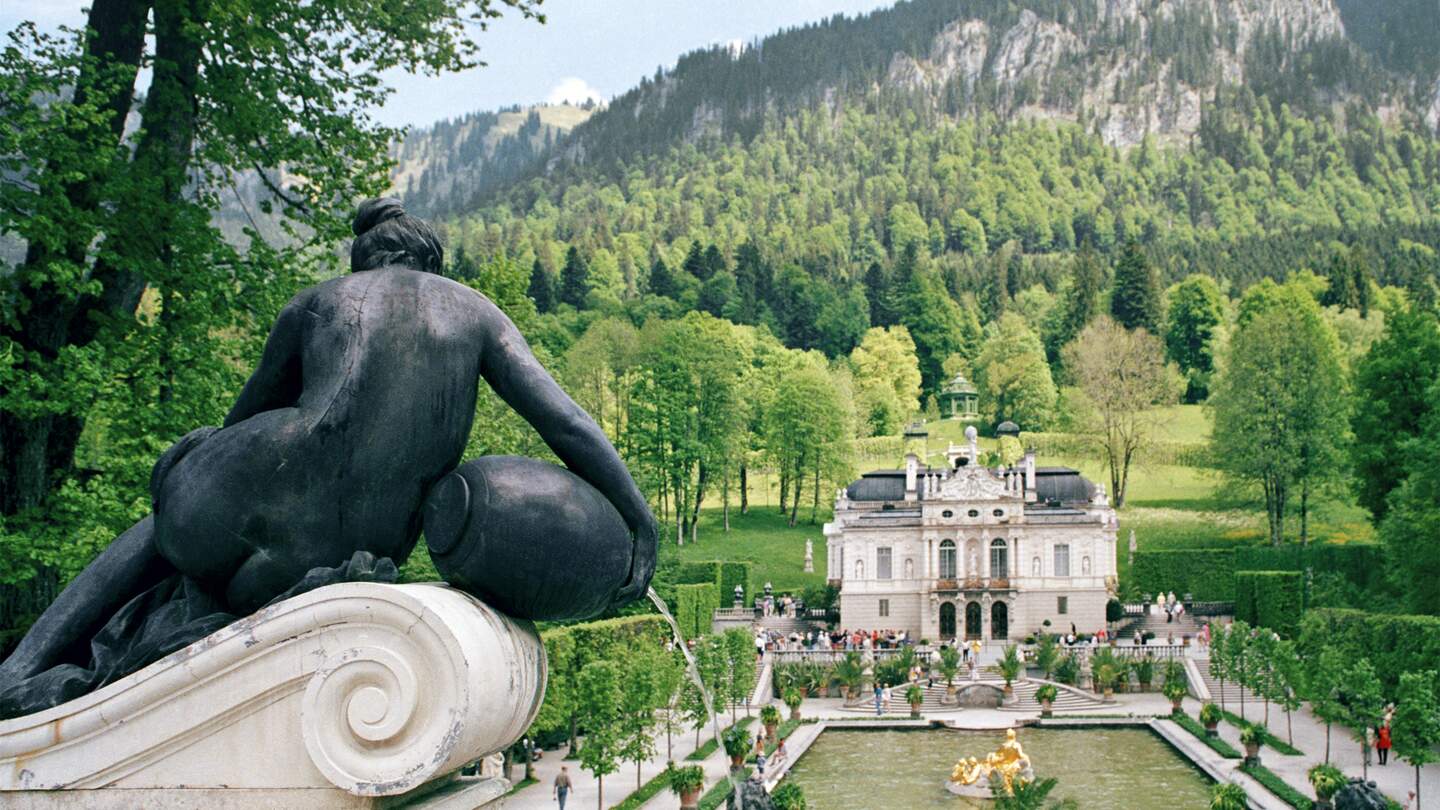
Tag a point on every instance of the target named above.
point(1062, 560)
point(882, 563)
point(1062, 605)
point(884, 608)
point(947, 559)
point(998, 513)
point(973, 513)
point(999, 558)
point(947, 514)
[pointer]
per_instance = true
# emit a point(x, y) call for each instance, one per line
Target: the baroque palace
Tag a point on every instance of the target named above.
point(971, 552)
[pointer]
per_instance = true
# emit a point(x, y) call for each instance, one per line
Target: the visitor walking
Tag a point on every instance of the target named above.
point(879, 695)
point(1382, 745)
point(562, 785)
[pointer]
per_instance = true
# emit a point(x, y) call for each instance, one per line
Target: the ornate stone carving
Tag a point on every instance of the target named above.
point(360, 688)
point(973, 484)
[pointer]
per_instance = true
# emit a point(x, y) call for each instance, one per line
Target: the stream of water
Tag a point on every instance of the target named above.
point(690, 666)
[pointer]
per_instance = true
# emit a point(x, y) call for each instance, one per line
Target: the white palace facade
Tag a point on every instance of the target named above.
point(972, 552)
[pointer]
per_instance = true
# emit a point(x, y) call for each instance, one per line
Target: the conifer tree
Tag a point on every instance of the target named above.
point(542, 289)
point(662, 281)
point(1135, 301)
point(574, 279)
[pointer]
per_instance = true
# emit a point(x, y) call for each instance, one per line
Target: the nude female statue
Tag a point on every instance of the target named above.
point(362, 401)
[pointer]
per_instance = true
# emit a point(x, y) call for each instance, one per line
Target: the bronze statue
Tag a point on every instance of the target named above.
point(361, 404)
point(1003, 766)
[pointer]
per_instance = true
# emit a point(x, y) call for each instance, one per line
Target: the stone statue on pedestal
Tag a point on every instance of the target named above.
point(343, 445)
point(809, 557)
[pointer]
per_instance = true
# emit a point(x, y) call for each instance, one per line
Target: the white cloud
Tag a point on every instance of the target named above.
point(573, 90)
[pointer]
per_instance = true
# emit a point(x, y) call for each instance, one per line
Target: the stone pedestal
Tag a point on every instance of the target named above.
point(358, 695)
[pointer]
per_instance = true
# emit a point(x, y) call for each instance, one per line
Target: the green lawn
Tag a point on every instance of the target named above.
point(763, 538)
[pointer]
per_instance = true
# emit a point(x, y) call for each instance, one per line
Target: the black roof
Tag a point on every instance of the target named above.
point(1061, 484)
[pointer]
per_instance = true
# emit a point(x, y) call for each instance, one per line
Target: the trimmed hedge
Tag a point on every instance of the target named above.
point(698, 573)
point(1270, 599)
point(730, 575)
point(1197, 730)
point(1394, 643)
point(1208, 574)
point(1086, 445)
point(1282, 789)
point(1267, 738)
point(695, 608)
point(1361, 563)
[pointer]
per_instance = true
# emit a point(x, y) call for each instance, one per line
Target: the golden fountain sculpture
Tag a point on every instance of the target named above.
point(1004, 766)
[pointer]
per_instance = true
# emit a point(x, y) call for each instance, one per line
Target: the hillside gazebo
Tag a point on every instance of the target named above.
point(959, 399)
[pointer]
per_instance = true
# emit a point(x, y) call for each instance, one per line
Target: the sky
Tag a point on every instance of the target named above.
point(587, 48)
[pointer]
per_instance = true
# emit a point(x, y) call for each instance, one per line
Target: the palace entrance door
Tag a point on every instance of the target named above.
point(972, 621)
point(999, 621)
point(947, 620)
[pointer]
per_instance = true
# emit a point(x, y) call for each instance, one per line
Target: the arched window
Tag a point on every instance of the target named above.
point(999, 558)
point(859, 569)
point(947, 559)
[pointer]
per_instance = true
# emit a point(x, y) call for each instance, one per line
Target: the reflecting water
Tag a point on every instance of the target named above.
point(1102, 769)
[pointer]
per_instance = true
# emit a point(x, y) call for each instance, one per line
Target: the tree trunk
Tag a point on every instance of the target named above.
point(600, 792)
point(1327, 742)
point(815, 504)
point(1289, 729)
point(744, 489)
point(36, 453)
point(725, 498)
point(784, 484)
point(798, 477)
point(1305, 512)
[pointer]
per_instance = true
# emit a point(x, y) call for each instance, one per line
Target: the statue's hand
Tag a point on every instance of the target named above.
point(642, 561)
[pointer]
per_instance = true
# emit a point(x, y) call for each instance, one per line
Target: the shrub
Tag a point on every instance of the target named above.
point(914, 695)
point(1144, 669)
point(792, 698)
point(705, 572)
point(1278, 786)
point(769, 715)
point(1114, 611)
point(1393, 643)
point(1272, 599)
point(736, 741)
point(1216, 744)
point(1362, 564)
point(685, 779)
point(730, 575)
point(1228, 796)
point(1250, 735)
point(1175, 690)
point(788, 796)
point(1047, 692)
point(1068, 670)
point(1210, 714)
point(1326, 780)
point(1207, 574)
point(695, 608)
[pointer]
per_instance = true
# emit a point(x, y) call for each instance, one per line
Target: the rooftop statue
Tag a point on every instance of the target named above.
point(343, 445)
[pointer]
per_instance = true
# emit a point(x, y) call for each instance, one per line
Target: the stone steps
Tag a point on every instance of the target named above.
point(935, 698)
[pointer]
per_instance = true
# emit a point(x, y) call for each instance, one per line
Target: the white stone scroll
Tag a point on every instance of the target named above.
point(331, 699)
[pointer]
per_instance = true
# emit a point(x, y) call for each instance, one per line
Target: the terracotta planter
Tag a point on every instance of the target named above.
point(737, 762)
point(1323, 804)
point(1252, 752)
point(1009, 691)
point(1210, 729)
point(770, 730)
point(1045, 708)
point(1175, 705)
point(1144, 686)
point(795, 714)
point(915, 711)
point(1109, 693)
point(690, 801)
point(950, 692)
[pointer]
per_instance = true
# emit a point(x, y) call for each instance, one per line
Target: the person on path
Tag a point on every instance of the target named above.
point(879, 696)
point(562, 785)
point(887, 698)
point(1382, 745)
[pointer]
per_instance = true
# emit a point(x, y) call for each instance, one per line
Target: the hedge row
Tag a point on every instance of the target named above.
point(1185, 454)
point(1282, 789)
point(1394, 643)
point(568, 649)
point(723, 575)
point(1208, 574)
point(695, 608)
point(1361, 563)
point(1272, 599)
point(1197, 731)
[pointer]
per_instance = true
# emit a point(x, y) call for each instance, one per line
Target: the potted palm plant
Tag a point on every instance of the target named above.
point(915, 696)
point(770, 718)
point(1145, 672)
point(949, 668)
point(1210, 716)
point(737, 745)
point(1046, 655)
point(1228, 796)
point(792, 699)
point(1251, 736)
point(1176, 691)
point(1105, 678)
point(850, 672)
point(1010, 667)
point(1326, 781)
point(1046, 696)
point(687, 782)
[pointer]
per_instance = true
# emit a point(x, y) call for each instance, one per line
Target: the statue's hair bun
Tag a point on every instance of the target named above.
point(373, 212)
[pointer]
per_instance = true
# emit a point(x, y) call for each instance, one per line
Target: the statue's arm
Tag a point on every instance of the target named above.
point(517, 377)
point(276, 381)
